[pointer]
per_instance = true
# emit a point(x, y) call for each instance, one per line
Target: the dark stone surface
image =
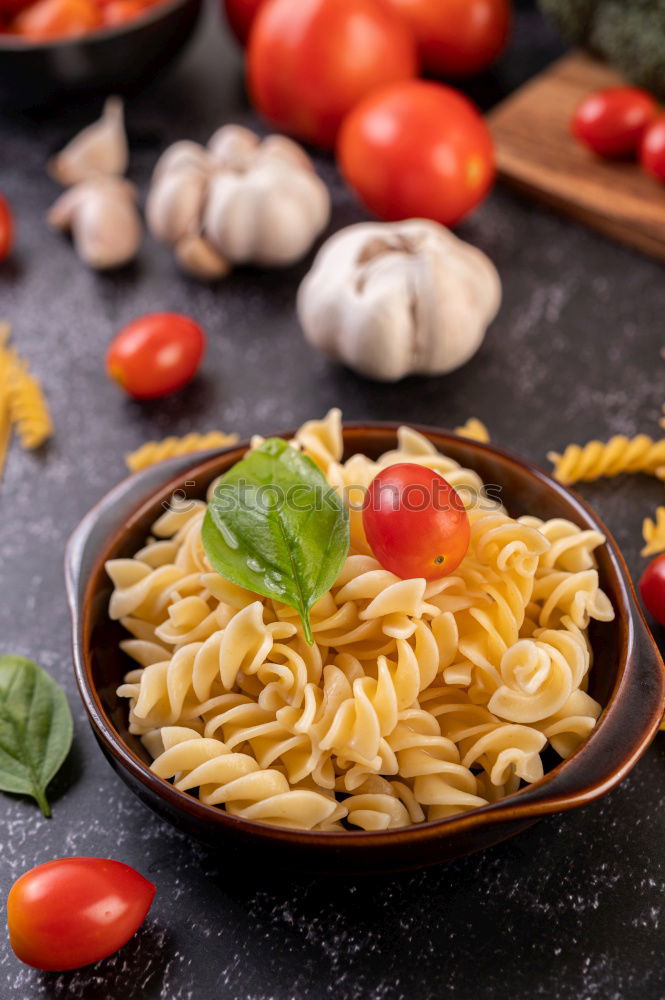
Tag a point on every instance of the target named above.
point(571, 909)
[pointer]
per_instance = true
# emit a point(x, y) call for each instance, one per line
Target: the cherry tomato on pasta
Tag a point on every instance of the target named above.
point(72, 912)
point(309, 62)
point(415, 522)
point(652, 153)
point(652, 589)
point(457, 37)
point(156, 355)
point(6, 229)
point(612, 122)
point(417, 150)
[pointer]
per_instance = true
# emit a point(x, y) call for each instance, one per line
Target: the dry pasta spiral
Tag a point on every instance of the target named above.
point(598, 459)
point(172, 447)
point(474, 429)
point(653, 532)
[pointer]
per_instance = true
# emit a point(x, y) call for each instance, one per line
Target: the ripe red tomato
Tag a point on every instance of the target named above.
point(457, 37)
point(612, 122)
point(415, 522)
point(652, 589)
point(156, 355)
point(72, 912)
point(652, 153)
point(57, 19)
point(310, 62)
point(240, 15)
point(6, 229)
point(417, 150)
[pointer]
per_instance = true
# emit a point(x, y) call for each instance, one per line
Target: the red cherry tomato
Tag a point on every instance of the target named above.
point(415, 522)
point(6, 229)
point(70, 913)
point(156, 355)
point(612, 122)
point(310, 62)
point(240, 15)
point(652, 589)
point(417, 150)
point(652, 153)
point(457, 37)
point(56, 19)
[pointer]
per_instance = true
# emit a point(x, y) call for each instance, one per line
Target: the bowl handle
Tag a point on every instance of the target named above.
point(624, 731)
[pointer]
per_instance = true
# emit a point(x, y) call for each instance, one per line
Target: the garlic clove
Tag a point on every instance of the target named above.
point(233, 147)
point(227, 220)
point(278, 147)
point(103, 219)
point(61, 212)
point(107, 234)
point(175, 205)
point(248, 223)
point(199, 259)
point(100, 149)
point(183, 155)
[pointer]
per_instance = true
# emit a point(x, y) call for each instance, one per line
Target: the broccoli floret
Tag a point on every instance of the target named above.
point(631, 36)
point(573, 17)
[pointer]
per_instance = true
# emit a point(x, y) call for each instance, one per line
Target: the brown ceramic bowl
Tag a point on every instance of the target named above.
point(628, 676)
point(119, 59)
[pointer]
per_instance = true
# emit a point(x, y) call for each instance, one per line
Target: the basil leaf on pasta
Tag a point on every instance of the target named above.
point(277, 528)
point(35, 729)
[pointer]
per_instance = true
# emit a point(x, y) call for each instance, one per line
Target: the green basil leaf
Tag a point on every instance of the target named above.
point(276, 527)
point(35, 729)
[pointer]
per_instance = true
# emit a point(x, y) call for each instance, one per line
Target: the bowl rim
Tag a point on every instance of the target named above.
point(157, 11)
point(525, 805)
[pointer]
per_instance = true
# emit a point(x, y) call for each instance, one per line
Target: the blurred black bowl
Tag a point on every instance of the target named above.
point(34, 74)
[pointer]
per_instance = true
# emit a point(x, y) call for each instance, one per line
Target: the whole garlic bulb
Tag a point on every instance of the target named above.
point(240, 201)
point(394, 299)
point(104, 221)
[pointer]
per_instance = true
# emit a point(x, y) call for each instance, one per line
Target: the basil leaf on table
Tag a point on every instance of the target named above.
point(35, 729)
point(276, 527)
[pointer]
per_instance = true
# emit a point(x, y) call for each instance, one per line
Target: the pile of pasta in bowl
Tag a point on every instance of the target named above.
point(417, 699)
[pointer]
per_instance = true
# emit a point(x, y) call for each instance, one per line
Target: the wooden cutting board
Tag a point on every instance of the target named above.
point(536, 154)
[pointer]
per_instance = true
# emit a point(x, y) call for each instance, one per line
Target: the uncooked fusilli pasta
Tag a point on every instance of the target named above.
point(653, 533)
point(474, 429)
point(417, 701)
point(22, 402)
point(597, 459)
point(172, 447)
point(6, 365)
point(28, 407)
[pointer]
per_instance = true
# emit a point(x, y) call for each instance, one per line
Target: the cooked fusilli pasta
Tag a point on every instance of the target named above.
point(417, 701)
point(172, 447)
point(597, 459)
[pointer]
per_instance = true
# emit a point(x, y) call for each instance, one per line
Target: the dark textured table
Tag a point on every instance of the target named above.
point(572, 908)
